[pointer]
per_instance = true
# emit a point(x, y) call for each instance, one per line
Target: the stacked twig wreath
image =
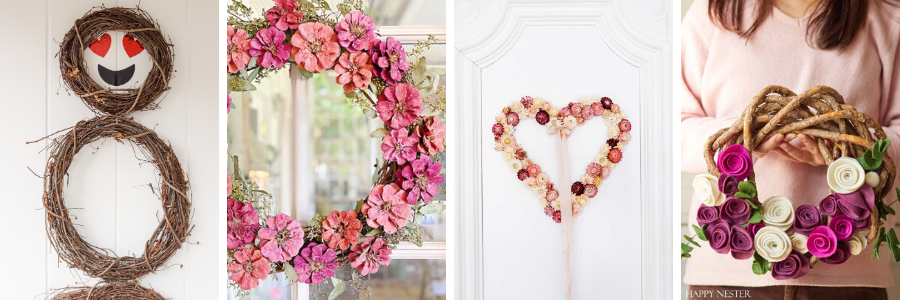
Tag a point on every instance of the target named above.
point(139, 25)
point(104, 290)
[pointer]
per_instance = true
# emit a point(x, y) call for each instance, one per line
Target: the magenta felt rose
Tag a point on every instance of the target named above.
point(842, 227)
point(741, 243)
point(859, 204)
point(282, 239)
point(822, 242)
point(735, 161)
point(806, 218)
point(841, 254)
point(356, 31)
point(707, 214)
point(796, 265)
point(828, 206)
point(242, 221)
point(735, 211)
point(753, 228)
point(315, 263)
point(719, 235)
point(862, 223)
point(399, 105)
point(728, 185)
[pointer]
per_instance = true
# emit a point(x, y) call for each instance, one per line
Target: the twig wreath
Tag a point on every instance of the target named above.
point(376, 76)
point(781, 237)
point(106, 290)
point(140, 26)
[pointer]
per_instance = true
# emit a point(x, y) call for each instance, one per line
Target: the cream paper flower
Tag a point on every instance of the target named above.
point(509, 154)
point(539, 189)
point(543, 202)
point(857, 243)
point(537, 101)
point(706, 187)
point(531, 112)
point(515, 165)
point(613, 131)
point(555, 204)
point(517, 107)
point(570, 122)
point(778, 212)
point(553, 112)
point(772, 244)
point(604, 150)
point(530, 182)
point(845, 175)
point(543, 178)
point(798, 241)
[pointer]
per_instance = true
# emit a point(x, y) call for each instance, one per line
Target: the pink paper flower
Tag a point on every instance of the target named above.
point(284, 15)
point(356, 31)
point(399, 105)
point(386, 206)
point(228, 108)
point(400, 146)
point(593, 169)
point(367, 262)
point(534, 170)
point(389, 59)
point(249, 268)
point(341, 229)
point(432, 132)
point(238, 47)
point(270, 48)
point(315, 263)
point(354, 71)
point(315, 47)
point(421, 178)
point(590, 190)
point(615, 155)
point(242, 221)
point(282, 239)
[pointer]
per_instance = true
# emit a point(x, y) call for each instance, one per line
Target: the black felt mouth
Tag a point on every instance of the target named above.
point(116, 78)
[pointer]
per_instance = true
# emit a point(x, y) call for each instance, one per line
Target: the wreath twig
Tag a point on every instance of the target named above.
point(105, 290)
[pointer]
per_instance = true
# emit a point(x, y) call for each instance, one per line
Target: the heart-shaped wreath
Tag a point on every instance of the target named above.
point(374, 73)
point(781, 237)
point(562, 121)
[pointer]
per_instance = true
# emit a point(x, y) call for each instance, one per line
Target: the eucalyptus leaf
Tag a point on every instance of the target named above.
point(374, 232)
point(700, 233)
point(289, 272)
point(378, 133)
point(691, 240)
point(433, 207)
point(339, 286)
point(370, 113)
point(686, 250)
point(418, 74)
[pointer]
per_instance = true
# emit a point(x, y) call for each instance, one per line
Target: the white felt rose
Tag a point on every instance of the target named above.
point(706, 187)
point(845, 175)
point(772, 244)
point(798, 241)
point(778, 212)
point(857, 243)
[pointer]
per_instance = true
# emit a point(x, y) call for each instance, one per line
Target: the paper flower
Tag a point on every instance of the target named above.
point(542, 117)
point(822, 242)
point(282, 239)
point(552, 195)
point(719, 235)
point(497, 129)
point(798, 242)
point(707, 214)
point(858, 204)
point(432, 132)
point(741, 243)
point(315, 47)
point(269, 48)
point(368, 256)
point(389, 59)
point(387, 207)
point(284, 15)
point(249, 267)
point(242, 221)
point(354, 71)
point(228, 185)
point(753, 228)
point(772, 244)
point(399, 105)
point(341, 229)
point(315, 263)
point(606, 102)
point(735, 161)
point(856, 243)
point(421, 178)
point(735, 211)
point(778, 212)
point(237, 49)
point(842, 226)
point(845, 175)
point(625, 137)
point(356, 31)
point(577, 188)
point(625, 125)
point(806, 218)
point(512, 118)
point(400, 146)
point(829, 205)
point(615, 155)
point(522, 174)
point(728, 185)
point(590, 190)
point(707, 190)
point(841, 254)
point(593, 169)
point(796, 265)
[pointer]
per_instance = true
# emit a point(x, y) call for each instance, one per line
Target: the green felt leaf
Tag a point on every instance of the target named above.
point(743, 195)
point(877, 243)
point(747, 189)
point(691, 240)
point(763, 264)
point(872, 158)
point(686, 250)
point(755, 217)
point(339, 286)
point(433, 207)
point(289, 272)
point(757, 269)
point(753, 205)
point(893, 244)
point(700, 233)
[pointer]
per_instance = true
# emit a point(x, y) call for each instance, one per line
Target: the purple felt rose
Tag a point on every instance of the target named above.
point(735, 211)
point(862, 223)
point(796, 265)
point(741, 243)
point(842, 227)
point(859, 204)
point(735, 161)
point(828, 206)
point(728, 185)
point(719, 233)
point(841, 254)
point(806, 218)
point(753, 228)
point(822, 242)
point(707, 214)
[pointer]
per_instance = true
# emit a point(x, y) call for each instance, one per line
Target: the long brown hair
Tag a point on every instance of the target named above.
point(833, 23)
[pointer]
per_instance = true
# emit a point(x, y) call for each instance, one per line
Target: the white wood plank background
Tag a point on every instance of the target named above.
point(117, 208)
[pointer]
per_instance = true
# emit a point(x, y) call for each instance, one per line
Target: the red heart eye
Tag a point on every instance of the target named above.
point(101, 45)
point(132, 46)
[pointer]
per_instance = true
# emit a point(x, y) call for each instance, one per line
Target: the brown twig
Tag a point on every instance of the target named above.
point(107, 291)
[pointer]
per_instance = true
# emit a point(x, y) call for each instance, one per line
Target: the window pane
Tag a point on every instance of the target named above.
point(403, 279)
point(276, 287)
point(409, 12)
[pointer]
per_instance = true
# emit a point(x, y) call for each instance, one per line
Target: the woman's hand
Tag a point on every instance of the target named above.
point(804, 151)
point(768, 146)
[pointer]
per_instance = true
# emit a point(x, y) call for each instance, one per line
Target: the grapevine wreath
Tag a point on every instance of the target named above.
point(377, 75)
point(781, 237)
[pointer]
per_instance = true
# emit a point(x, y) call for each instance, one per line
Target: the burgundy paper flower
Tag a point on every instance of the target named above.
point(387, 207)
point(237, 51)
point(735, 211)
point(315, 47)
point(282, 239)
point(822, 242)
point(557, 216)
point(497, 129)
point(390, 59)
point(284, 15)
point(542, 117)
point(269, 47)
point(728, 185)
point(842, 226)
point(522, 174)
point(422, 179)
point(512, 118)
point(719, 234)
point(527, 102)
point(249, 267)
point(615, 155)
point(368, 256)
point(606, 102)
point(735, 161)
point(828, 205)
point(707, 214)
point(741, 243)
point(590, 190)
point(341, 229)
point(242, 222)
point(400, 146)
point(399, 105)
point(315, 263)
point(612, 142)
point(796, 265)
point(841, 254)
point(625, 125)
point(432, 132)
point(354, 71)
point(806, 218)
point(356, 31)
point(577, 188)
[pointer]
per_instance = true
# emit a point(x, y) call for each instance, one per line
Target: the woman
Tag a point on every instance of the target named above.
point(731, 49)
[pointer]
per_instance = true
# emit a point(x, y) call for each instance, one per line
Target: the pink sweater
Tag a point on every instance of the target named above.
point(722, 72)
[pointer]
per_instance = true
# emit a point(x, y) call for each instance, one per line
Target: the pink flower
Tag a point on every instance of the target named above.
point(593, 169)
point(228, 107)
point(552, 194)
point(242, 221)
point(228, 186)
point(282, 239)
point(354, 71)
point(624, 137)
point(315, 263)
point(356, 31)
point(534, 170)
point(386, 206)
point(598, 108)
point(590, 190)
point(389, 59)
point(604, 173)
point(284, 15)
point(238, 45)
point(367, 256)
point(400, 146)
point(399, 105)
point(421, 178)
point(432, 133)
point(315, 47)
point(268, 46)
point(341, 229)
point(249, 268)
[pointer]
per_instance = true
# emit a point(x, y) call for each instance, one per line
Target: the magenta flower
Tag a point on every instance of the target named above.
point(366, 257)
point(238, 45)
point(341, 229)
point(735, 161)
point(315, 263)
point(270, 49)
point(356, 31)
point(386, 206)
point(796, 265)
point(399, 105)
point(421, 178)
point(432, 132)
point(242, 221)
point(400, 146)
point(249, 268)
point(282, 239)
point(354, 71)
point(822, 242)
point(284, 15)
point(390, 59)
point(228, 108)
point(315, 47)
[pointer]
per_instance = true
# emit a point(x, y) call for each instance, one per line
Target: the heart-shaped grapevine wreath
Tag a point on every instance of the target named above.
point(562, 121)
point(781, 237)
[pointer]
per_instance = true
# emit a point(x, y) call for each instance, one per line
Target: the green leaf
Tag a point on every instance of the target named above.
point(418, 74)
point(685, 255)
point(872, 158)
point(338, 288)
point(359, 205)
point(433, 207)
point(756, 217)
point(378, 133)
point(691, 240)
point(877, 243)
point(373, 232)
point(761, 263)
point(757, 269)
point(686, 250)
point(752, 205)
point(700, 233)
point(747, 190)
point(306, 74)
point(893, 244)
point(289, 272)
